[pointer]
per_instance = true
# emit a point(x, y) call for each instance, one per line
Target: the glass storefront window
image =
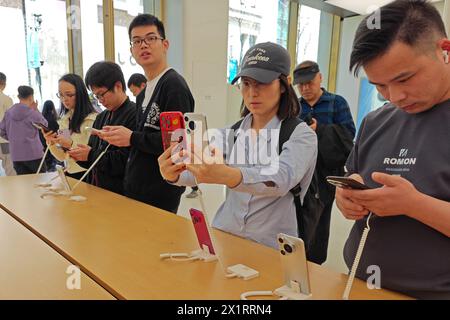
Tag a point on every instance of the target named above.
point(251, 22)
point(308, 34)
point(38, 46)
point(124, 12)
point(92, 32)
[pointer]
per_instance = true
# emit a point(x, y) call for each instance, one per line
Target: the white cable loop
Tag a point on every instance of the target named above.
point(355, 265)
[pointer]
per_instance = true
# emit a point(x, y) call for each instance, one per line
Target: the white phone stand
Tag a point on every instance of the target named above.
point(200, 254)
point(204, 254)
point(285, 293)
point(292, 293)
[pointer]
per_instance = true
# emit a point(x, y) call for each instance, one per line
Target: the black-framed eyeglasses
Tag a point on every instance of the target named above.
point(149, 40)
point(62, 96)
point(100, 96)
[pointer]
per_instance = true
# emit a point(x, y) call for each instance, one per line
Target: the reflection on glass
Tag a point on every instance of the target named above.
point(308, 34)
point(92, 32)
point(37, 54)
point(251, 22)
point(124, 12)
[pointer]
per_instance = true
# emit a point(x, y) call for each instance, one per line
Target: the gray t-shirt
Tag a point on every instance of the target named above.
point(413, 258)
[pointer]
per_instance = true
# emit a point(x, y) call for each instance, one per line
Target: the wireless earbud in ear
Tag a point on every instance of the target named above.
point(446, 56)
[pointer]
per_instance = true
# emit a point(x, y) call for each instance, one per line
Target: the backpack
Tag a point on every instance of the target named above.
point(308, 213)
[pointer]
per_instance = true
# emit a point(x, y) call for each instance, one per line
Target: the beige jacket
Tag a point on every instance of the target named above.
point(77, 138)
point(5, 103)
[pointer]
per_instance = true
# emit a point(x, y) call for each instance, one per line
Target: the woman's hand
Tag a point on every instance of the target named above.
point(210, 168)
point(171, 165)
point(50, 137)
point(53, 138)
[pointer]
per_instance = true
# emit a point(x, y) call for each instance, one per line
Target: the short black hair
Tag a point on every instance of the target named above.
point(2, 78)
point(104, 74)
point(25, 92)
point(83, 105)
point(137, 79)
point(412, 22)
point(147, 20)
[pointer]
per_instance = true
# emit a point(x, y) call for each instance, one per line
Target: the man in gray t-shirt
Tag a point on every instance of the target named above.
point(402, 151)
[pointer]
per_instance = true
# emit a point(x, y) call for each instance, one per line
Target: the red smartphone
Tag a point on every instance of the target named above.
point(172, 128)
point(201, 229)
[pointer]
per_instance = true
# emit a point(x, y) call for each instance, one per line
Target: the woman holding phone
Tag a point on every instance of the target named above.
point(76, 114)
point(259, 204)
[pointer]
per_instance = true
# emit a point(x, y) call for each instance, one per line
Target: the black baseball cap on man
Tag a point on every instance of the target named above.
point(305, 72)
point(265, 62)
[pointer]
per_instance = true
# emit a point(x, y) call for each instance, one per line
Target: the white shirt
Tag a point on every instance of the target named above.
point(150, 88)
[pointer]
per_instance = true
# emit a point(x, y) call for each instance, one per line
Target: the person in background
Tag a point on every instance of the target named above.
point(166, 90)
point(5, 103)
point(17, 127)
point(77, 116)
point(137, 83)
point(105, 79)
point(330, 117)
point(50, 114)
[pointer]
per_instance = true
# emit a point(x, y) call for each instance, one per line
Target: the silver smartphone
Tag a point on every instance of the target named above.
point(293, 261)
point(197, 130)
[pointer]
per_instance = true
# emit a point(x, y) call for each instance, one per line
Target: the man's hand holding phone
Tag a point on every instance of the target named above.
point(346, 202)
point(80, 153)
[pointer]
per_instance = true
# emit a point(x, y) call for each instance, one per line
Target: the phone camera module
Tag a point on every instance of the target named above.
point(192, 125)
point(288, 248)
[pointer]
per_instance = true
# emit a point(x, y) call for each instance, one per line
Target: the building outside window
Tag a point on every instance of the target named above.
point(251, 22)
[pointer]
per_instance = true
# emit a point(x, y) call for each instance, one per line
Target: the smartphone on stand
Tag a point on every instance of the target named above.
point(201, 229)
point(293, 261)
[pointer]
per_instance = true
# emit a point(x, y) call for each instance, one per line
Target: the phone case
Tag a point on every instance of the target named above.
point(201, 229)
point(346, 183)
point(293, 261)
point(172, 128)
point(197, 129)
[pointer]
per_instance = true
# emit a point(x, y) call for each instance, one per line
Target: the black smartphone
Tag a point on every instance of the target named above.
point(41, 127)
point(346, 183)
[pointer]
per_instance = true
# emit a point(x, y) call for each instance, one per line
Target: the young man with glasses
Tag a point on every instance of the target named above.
point(166, 91)
point(107, 83)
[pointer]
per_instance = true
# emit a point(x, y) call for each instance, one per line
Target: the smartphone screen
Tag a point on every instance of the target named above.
point(201, 229)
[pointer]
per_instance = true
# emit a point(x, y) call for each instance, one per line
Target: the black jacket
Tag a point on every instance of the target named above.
point(109, 172)
point(143, 181)
point(334, 145)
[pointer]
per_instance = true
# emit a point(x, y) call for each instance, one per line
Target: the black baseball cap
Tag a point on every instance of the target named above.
point(265, 62)
point(305, 72)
